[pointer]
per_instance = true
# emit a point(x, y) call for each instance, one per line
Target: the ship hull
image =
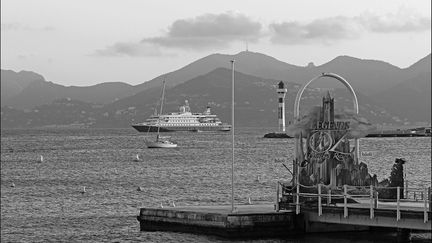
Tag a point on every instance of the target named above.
point(146, 128)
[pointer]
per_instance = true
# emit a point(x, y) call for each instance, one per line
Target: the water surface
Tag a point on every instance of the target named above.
point(46, 203)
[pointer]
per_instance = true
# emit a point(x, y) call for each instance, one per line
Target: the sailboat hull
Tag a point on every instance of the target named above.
point(161, 145)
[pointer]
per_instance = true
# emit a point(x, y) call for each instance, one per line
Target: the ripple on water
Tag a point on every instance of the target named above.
point(46, 203)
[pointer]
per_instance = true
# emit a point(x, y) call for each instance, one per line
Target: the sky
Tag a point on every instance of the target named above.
point(86, 42)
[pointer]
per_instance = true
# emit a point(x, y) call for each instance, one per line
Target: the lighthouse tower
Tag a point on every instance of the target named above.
point(281, 106)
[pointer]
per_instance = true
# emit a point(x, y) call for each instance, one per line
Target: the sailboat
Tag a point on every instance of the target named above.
point(161, 142)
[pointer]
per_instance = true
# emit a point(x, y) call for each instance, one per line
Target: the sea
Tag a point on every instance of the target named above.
point(43, 201)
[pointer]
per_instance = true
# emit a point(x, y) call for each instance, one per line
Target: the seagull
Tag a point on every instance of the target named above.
point(41, 159)
point(173, 204)
point(161, 206)
point(137, 158)
point(249, 201)
point(140, 189)
point(13, 184)
point(258, 179)
point(83, 190)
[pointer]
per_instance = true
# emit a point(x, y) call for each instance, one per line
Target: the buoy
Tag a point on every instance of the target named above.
point(249, 201)
point(173, 204)
point(137, 158)
point(83, 190)
point(41, 159)
point(13, 184)
point(161, 206)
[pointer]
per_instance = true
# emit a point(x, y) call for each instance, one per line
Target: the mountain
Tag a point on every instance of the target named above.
point(61, 112)
point(25, 90)
point(214, 89)
point(423, 65)
point(255, 104)
point(387, 94)
point(12, 83)
point(252, 63)
point(412, 97)
point(367, 76)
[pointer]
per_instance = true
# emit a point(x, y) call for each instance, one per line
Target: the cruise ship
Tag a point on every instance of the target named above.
point(184, 120)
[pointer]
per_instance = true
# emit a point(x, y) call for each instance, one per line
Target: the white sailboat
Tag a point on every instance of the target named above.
point(161, 141)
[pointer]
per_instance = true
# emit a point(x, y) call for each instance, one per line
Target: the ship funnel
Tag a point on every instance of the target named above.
point(186, 106)
point(182, 109)
point(207, 111)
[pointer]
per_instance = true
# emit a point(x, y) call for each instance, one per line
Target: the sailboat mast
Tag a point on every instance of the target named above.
point(162, 98)
point(161, 107)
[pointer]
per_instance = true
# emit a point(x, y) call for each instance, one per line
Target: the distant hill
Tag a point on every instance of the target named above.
point(255, 99)
point(12, 83)
point(410, 99)
point(368, 76)
point(253, 63)
point(387, 94)
point(24, 90)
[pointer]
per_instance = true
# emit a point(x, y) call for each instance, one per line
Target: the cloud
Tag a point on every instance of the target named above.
point(221, 30)
point(402, 21)
point(129, 49)
point(328, 29)
point(209, 30)
point(332, 29)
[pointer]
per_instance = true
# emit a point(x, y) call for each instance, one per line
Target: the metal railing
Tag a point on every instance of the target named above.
point(369, 195)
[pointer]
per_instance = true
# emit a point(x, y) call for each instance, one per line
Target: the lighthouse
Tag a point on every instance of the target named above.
point(281, 105)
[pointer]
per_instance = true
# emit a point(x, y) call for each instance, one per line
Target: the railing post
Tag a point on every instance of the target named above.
point(345, 202)
point(371, 202)
point(298, 199)
point(329, 197)
point(425, 206)
point(406, 189)
point(277, 197)
point(398, 204)
point(319, 200)
point(430, 199)
point(376, 200)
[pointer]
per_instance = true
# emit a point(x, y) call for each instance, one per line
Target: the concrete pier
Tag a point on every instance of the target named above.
point(249, 221)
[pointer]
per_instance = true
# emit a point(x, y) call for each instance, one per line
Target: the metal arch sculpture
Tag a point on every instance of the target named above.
point(297, 111)
point(331, 75)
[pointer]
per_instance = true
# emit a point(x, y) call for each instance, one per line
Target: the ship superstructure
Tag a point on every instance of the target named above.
point(184, 120)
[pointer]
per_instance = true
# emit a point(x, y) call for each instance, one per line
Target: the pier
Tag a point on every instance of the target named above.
point(249, 221)
point(404, 212)
point(308, 213)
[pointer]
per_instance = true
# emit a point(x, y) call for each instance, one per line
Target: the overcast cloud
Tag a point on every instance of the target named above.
point(220, 30)
point(129, 49)
point(209, 30)
point(329, 30)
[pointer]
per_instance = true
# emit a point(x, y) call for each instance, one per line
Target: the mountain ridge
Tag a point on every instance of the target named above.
point(385, 80)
